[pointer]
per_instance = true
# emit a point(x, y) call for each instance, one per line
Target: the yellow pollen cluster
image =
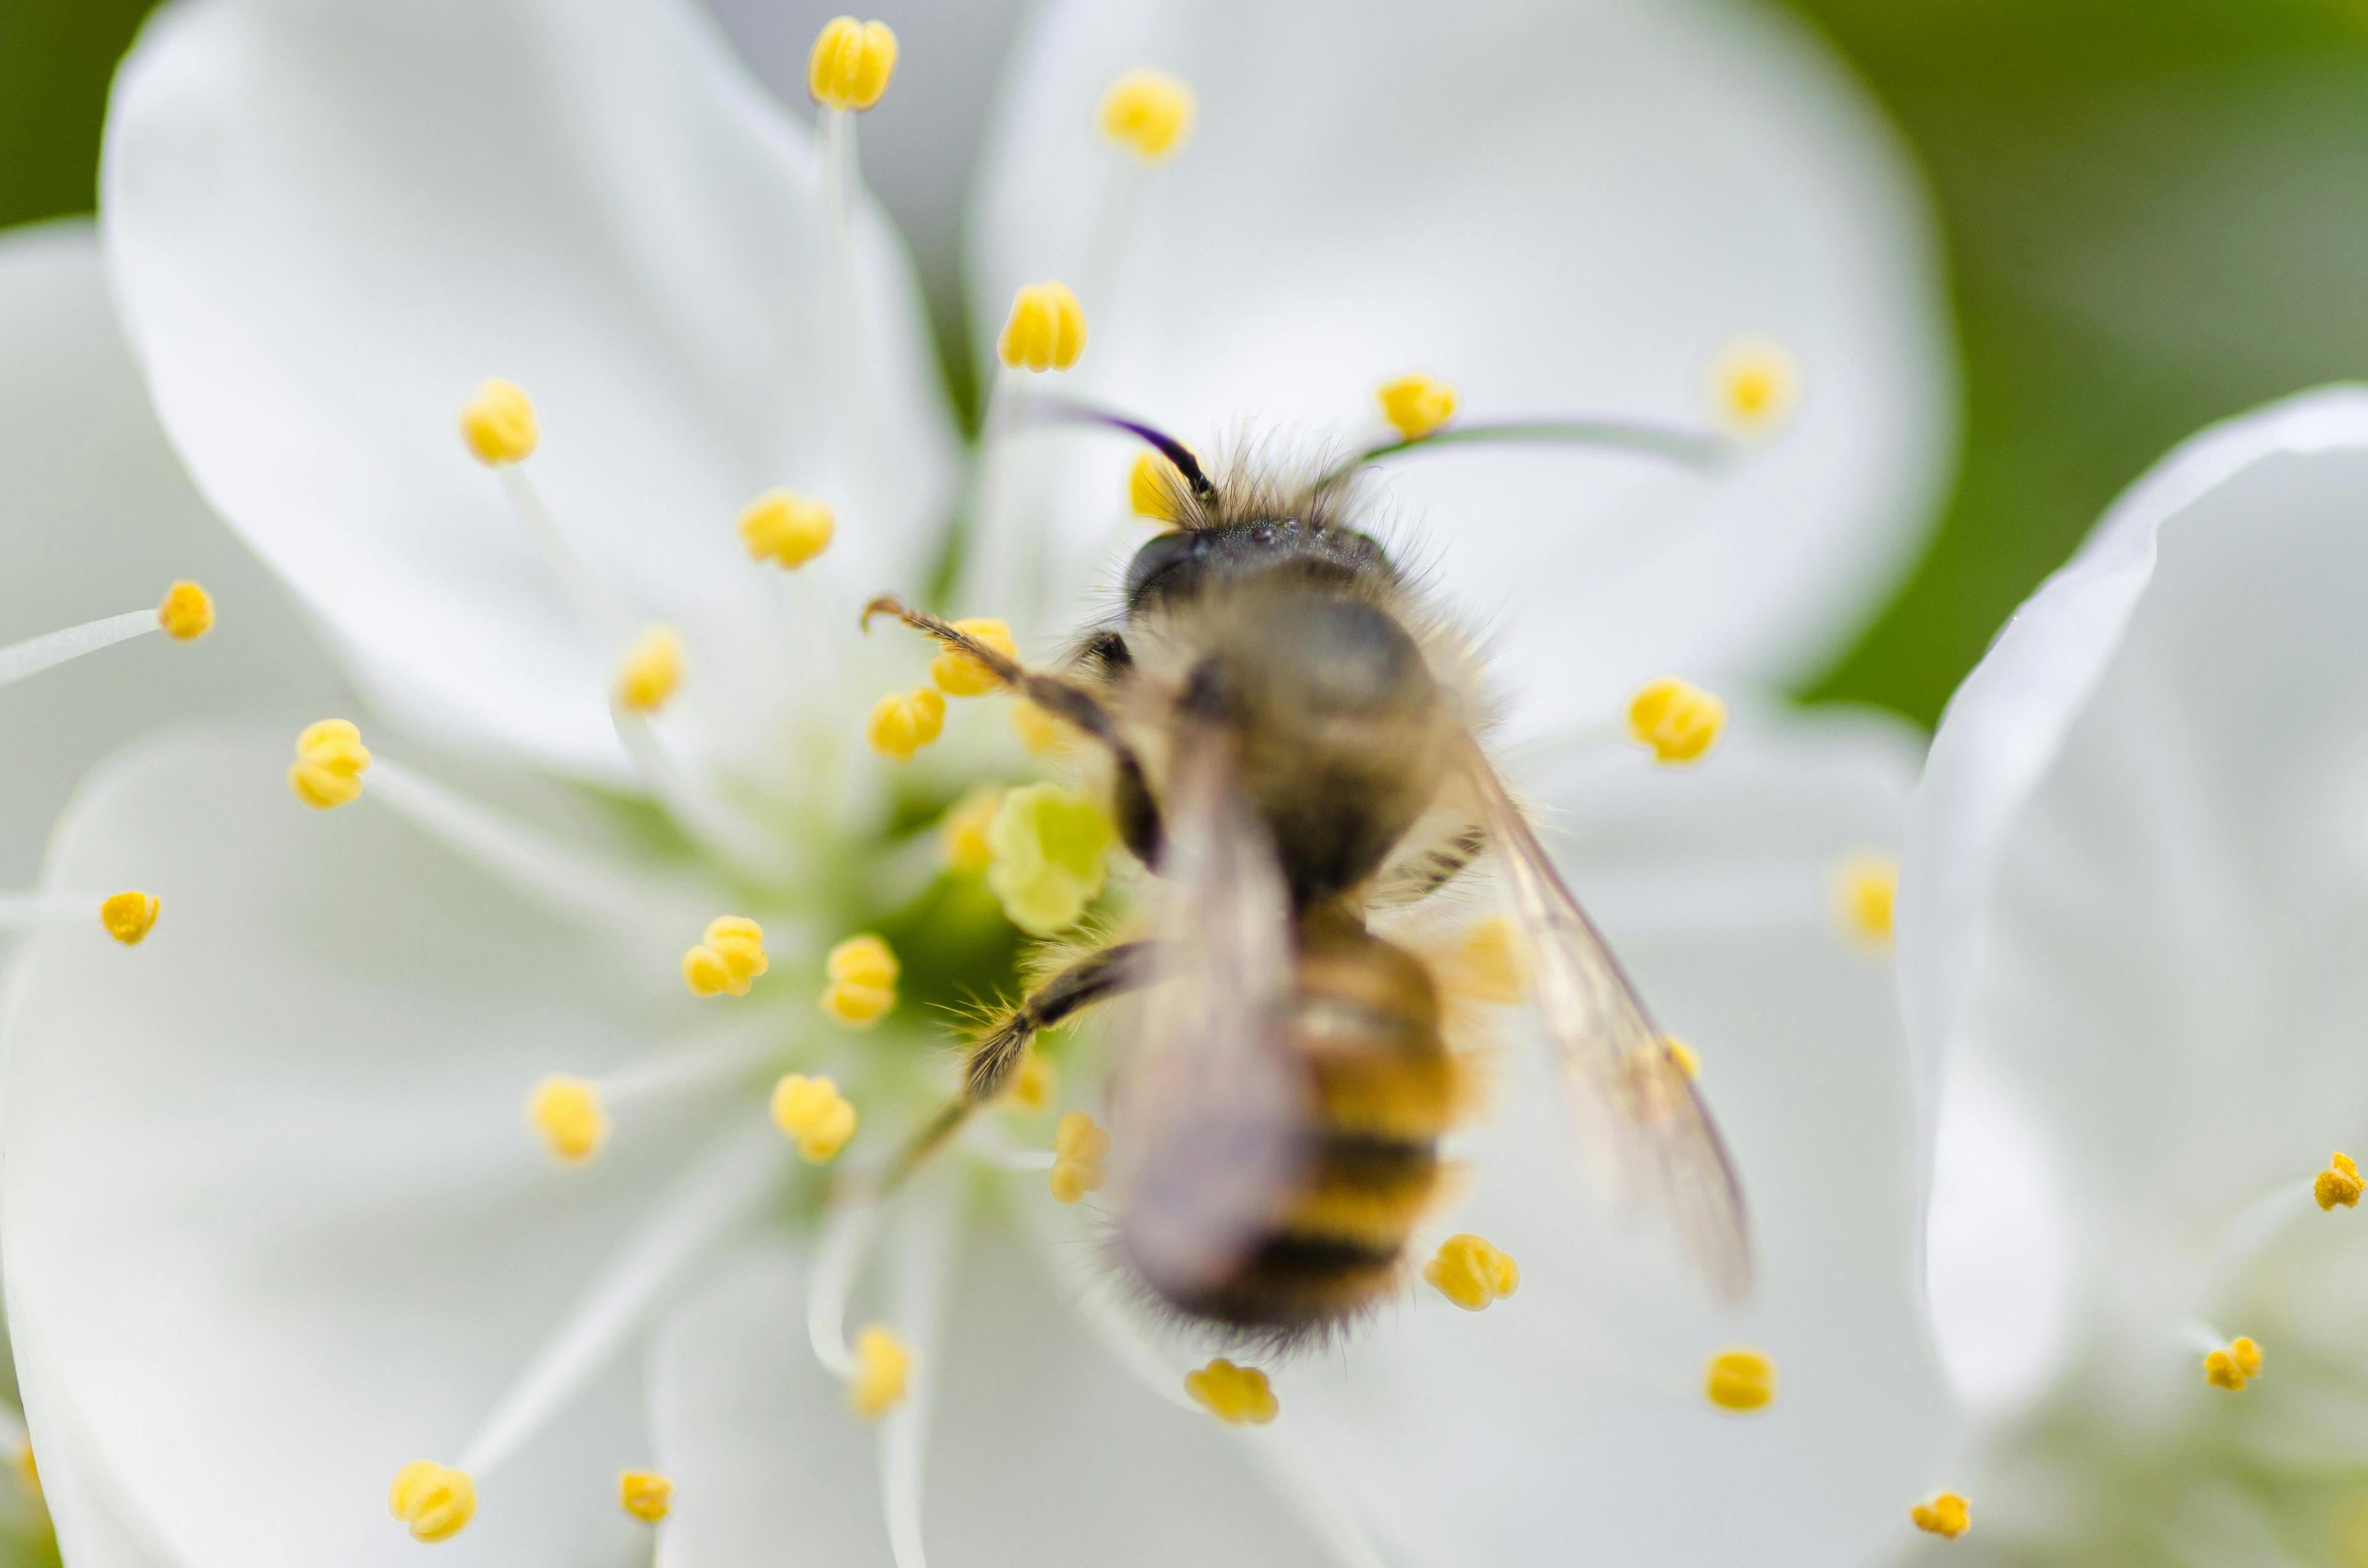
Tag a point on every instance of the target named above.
point(1034, 1086)
point(1235, 1395)
point(434, 1500)
point(1416, 404)
point(330, 762)
point(2339, 1183)
point(651, 668)
point(1741, 1379)
point(851, 63)
point(1677, 720)
point(903, 722)
point(958, 675)
point(1051, 849)
point(1079, 1149)
point(1753, 386)
point(1946, 1516)
point(862, 988)
point(1046, 329)
point(728, 958)
point(129, 916)
point(1150, 112)
point(1683, 1055)
point(1866, 889)
point(2235, 1367)
point(882, 1365)
point(962, 832)
point(1042, 734)
point(566, 1113)
point(811, 1113)
point(186, 612)
point(1491, 964)
point(786, 528)
point(1470, 1273)
point(1151, 487)
point(499, 425)
point(645, 1494)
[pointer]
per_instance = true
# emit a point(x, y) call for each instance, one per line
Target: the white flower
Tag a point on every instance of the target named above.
point(274, 1229)
point(2135, 888)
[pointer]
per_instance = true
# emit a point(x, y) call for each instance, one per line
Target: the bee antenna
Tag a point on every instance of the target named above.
point(1069, 411)
point(1692, 448)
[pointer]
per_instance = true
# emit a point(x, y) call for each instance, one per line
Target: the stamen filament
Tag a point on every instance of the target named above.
point(700, 1210)
point(1691, 447)
point(35, 655)
point(838, 1262)
point(925, 1250)
point(606, 617)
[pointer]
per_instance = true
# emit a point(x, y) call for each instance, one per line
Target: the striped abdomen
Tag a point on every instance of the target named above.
point(1383, 1089)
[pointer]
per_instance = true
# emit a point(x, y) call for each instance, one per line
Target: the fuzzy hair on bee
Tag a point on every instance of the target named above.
point(1291, 734)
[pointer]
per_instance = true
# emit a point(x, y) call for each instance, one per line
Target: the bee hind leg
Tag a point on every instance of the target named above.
point(995, 1056)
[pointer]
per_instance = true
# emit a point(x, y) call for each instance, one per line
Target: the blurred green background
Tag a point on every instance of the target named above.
point(2152, 212)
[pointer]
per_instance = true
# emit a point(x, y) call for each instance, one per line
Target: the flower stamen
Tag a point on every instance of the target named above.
point(850, 64)
point(903, 722)
point(647, 1494)
point(1754, 387)
point(1946, 1516)
point(1150, 113)
point(436, 1501)
point(567, 1113)
point(883, 1366)
point(1740, 1380)
point(1866, 892)
point(650, 671)
point(1045, 331)
point(186, 614)
point(958, 675)
point(1472, 1273)
point(129, 916)
point(1154, 488)
point(962, 833)
point(330, 762)
point(1676, 720)
point(2234, 1365)
point(1416, 404)
point(1079, 1147)
point(815, 1115)
point(1235, 1395)
point(862, 989)
point(786, 528)
point(727, 959)
point(2339, 1184)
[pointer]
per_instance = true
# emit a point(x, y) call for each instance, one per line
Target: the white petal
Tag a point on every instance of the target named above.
point(1563, 208)
point(1043, 1451)
point(1573, 1412)
point(100, 519)
point(2138, 871)
point(274, 1227)
point(329, 222)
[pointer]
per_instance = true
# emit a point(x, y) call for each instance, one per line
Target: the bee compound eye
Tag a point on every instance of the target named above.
point(1163, 564)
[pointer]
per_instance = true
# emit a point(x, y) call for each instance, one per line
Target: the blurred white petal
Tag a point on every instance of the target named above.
point(1564, 209)
point(329, 222)
point(273, 1225)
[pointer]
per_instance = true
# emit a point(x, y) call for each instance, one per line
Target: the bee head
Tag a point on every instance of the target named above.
point(1179, 566)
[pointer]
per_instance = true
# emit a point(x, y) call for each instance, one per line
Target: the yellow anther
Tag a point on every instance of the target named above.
point(1740, 1380)
point(2234, 1366)
point(330, 762)
point(962, 830)
point(499, 424)
point(958, 675)
point(1680, 722)
point(1046, 329)
point(188, 612)
point(1866, 891)
point(1683, 1055)
point(1079, 1147)
point(786, 528)
point(651, 668)
point(1149, 111)
point(1753, 386)
point(882, 1365)
point(1418, 404)
point(1051, 848)
point(1040, 732)
point(1470, 1273)
point(1034, 1086)
point(567, 1113)
point(434, 1500)
point(2339, 1183)
point(903, 722)
point(862, 988)
point(850, 63)
point(1945, 1515)
point(1491, 964)
point(645, 1494)
point(728, 958)
point(1233, 1394)
point(129, 916)
point(1155, 489)
point(811, 1113)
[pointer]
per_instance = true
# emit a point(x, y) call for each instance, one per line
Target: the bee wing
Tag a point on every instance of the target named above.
point(1647, 1120)
point(1209, 1103)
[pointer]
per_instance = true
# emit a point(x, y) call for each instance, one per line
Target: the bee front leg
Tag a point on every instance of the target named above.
point(994, 1055)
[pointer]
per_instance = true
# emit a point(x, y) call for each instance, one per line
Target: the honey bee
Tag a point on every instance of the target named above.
point(1293, 745)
